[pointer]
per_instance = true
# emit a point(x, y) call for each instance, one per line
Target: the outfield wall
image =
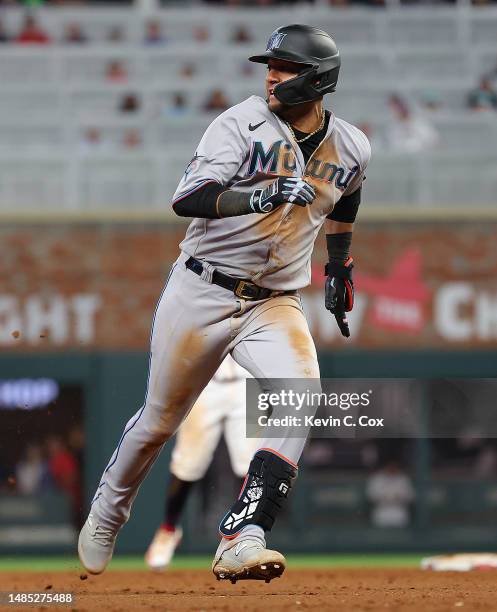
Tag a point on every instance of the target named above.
point(420, 284)
point(334, 502)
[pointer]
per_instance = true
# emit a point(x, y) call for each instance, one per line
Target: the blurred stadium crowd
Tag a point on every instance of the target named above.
point(48, 464)
point(247, 3)
point(148, 83)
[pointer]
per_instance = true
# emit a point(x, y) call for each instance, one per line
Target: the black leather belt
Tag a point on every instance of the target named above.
point(241, 288)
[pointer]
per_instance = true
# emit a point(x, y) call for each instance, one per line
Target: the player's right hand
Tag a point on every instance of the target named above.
point(339, 292)
point(284, 190)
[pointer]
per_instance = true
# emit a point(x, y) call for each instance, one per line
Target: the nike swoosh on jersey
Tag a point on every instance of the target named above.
point(254, 127)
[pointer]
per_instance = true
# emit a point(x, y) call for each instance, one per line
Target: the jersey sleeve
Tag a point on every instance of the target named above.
point(218, 157)
point(363, 152)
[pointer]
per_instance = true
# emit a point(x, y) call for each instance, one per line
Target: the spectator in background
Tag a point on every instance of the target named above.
point(486, 462)
point(153, 33)
point(407, 132)
point(201, 34)
point(178, 106)
point(483, 97)
point(4, 37)
point(129, 103)
point(5, 473)
point(241, 35)
point(390, 492)
point(92, 141)
point(188, 70)
point(64, 471)
point(132, 139)
point(375, 2)
point(61, 464)
point(31, 471)
point(76, 444)
point(116, 72)
point(32, 33)
point(216, 102)
point(115, 35)
point(74, 35)
point(430, 102)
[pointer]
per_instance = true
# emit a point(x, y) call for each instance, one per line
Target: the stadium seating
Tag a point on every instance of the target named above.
point(52, 95)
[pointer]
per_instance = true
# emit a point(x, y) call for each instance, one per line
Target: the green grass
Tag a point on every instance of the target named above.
point(204, 562)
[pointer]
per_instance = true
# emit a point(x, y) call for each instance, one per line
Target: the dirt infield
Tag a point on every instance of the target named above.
point(339, 590)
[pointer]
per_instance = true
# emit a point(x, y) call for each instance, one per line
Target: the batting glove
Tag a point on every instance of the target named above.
point(339, 292)
point(284, 190)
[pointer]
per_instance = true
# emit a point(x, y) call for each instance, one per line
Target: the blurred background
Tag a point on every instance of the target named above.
point(101, 108)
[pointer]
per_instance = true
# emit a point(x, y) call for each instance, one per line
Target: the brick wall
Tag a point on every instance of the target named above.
point(95, 285)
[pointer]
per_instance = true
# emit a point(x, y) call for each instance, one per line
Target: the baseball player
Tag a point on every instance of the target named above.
point(266, 176)
point(219, 410)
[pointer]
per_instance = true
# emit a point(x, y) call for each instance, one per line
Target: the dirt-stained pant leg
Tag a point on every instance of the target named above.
point(190, 337)
point(275, 342)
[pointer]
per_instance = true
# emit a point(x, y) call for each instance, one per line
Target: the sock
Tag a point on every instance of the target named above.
point(253, 531)
point(176, 496)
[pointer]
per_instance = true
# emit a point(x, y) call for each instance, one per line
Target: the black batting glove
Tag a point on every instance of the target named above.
point(339, 292)
point(284, 190)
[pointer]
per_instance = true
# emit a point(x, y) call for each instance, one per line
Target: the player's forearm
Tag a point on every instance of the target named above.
point(233, 204)
point(338, 239)
point(213, 201)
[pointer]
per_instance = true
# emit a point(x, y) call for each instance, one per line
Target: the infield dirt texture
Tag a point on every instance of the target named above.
point(339, 590)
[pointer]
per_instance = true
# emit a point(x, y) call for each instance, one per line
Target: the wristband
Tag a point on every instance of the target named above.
point(338, 246)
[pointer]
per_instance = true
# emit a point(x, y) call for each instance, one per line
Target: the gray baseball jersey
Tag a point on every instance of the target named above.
point(244, 148)
point(197, 323)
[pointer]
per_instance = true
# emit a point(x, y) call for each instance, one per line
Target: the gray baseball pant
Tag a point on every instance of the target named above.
point(196, 324)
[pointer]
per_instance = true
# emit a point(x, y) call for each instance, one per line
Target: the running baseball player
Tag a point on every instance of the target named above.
point(266, 176)
point(219, 410)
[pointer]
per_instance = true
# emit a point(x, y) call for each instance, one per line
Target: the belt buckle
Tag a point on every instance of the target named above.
point(240, 290)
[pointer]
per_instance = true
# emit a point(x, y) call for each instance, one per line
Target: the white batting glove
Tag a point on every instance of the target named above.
point(284, 190)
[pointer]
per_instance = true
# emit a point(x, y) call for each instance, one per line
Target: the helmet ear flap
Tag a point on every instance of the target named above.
point(326, 81)
point(323, 79)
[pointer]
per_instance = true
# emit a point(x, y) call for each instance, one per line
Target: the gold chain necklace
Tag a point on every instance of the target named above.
point(308, 135)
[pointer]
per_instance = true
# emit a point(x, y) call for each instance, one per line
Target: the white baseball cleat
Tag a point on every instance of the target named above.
point(161, 549)
point(95, 545)
point(247, 559)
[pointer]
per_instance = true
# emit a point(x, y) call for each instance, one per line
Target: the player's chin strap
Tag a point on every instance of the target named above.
point(263, 495)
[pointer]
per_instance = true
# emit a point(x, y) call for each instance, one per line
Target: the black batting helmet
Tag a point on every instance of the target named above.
point(315, 50)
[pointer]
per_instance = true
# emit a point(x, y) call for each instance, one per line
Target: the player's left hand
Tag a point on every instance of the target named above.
point(339, 292)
